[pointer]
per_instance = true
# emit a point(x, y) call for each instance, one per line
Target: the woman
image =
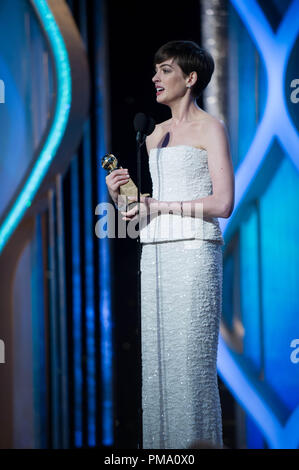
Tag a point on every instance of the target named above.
point(181, 262)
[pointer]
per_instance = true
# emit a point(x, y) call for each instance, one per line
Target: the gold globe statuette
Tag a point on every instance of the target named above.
point(110, 163)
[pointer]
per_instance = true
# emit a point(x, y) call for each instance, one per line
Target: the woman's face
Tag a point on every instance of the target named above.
point(169, 81)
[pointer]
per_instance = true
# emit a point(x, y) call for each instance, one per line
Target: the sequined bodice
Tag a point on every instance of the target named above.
point(179, 173)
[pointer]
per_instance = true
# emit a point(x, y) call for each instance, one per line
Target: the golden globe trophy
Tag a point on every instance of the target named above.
point(110, 163)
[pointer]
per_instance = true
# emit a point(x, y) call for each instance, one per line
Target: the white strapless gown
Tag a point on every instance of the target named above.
point(181, 291)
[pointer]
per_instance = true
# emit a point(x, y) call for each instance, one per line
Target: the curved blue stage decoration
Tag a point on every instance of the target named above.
point(46, 105)
point(278, 423)
point(63, 103)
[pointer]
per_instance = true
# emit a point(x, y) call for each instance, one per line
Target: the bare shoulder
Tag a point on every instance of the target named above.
point(216, 142)
point(154, 138)
point(210, 123)
point(214, 131)
point(213, 124)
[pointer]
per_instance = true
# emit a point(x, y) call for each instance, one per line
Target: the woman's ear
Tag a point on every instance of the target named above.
point(193, 76)
point(191, 80)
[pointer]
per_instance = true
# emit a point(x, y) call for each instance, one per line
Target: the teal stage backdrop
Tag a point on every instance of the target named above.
point(56, 302)
point(261, 277)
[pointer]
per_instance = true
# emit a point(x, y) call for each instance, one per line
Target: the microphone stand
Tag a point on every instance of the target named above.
point(140, 139)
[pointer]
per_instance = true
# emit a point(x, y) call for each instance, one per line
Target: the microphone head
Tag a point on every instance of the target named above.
point(140, 122)
point(151, 125)
point(144, 124)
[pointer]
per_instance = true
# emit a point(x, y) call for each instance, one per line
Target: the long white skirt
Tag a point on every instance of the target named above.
point(181, 298)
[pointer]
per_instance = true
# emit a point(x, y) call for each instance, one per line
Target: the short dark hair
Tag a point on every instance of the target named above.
point(191, 58)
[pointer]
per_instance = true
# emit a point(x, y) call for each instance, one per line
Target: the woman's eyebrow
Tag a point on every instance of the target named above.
point(162, 65)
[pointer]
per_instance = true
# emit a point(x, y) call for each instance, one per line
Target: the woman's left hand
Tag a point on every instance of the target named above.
point(148, 205)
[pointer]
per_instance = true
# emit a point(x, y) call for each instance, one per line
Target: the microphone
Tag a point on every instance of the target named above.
point(143, 125)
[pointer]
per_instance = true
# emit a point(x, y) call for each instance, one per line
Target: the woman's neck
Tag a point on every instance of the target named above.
point(184, 111)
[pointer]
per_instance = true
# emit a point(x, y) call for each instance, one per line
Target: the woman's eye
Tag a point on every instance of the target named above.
point(163, 70)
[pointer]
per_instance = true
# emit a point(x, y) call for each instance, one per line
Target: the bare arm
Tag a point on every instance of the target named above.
point(221, 202)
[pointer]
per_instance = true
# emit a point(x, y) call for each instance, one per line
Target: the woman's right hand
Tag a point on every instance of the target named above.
point(116, 179)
